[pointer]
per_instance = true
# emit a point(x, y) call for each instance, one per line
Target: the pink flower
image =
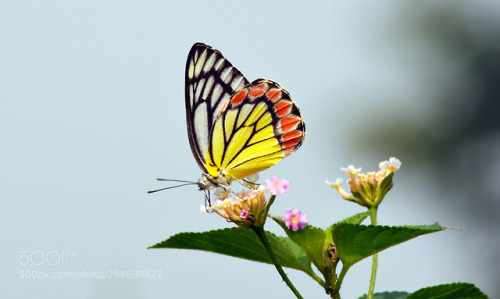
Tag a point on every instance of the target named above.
point(276, 185)
point(244, 214)
point(294, 220)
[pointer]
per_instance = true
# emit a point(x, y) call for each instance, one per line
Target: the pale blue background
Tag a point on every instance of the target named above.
point(92, 111)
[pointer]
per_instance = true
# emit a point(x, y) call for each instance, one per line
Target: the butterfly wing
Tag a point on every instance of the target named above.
point(210, 80)
point(256, 128)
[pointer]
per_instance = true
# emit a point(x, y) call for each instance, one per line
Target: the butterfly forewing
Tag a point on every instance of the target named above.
point(210, 80)
point(256, 128)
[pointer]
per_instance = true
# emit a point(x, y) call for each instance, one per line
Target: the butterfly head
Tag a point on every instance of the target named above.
point(208, 181)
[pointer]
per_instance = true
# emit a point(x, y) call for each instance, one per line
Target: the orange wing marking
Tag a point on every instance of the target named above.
point(291, 140)
point(274, 94)
point(289, 123)
point(240, 96)
point(258, 90)
point(282, 108)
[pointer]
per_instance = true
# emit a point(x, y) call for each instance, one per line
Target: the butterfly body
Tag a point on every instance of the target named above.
point(236, 128)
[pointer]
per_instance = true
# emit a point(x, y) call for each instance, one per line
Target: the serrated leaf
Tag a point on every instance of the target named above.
point(388, 295)
point(459, 290)
point(242, 243)
point(311, 239)
point(355, 219)
point(356, 242)
point(314, 240)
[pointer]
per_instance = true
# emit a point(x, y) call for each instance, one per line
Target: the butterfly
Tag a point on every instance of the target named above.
point(236, 128)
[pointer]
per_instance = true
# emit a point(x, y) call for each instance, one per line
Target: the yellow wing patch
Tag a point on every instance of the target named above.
point(247, 136)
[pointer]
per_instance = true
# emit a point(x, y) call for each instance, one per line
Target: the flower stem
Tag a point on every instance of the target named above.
point(335, 294)
point(373, 218)
point(262, 237)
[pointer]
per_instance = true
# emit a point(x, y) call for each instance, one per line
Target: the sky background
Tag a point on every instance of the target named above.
point(92, 112)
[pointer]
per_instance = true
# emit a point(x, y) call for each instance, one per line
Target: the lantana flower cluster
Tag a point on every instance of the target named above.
point(368, 189)
point(295, 220)
point(249, 208)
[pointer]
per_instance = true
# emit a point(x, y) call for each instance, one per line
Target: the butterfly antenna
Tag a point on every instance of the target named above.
point(185, 183)
point(179, 181)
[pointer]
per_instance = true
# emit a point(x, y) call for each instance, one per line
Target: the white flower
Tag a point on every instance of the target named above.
point(263, 189)
point(350, 169)
point(391, 165)
point(336, 184)
point(219, 204)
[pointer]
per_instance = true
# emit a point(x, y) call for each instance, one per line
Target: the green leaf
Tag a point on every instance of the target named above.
point(457, 290)
point(387, 295)
point(311, 239)
point(242, 243)
point(355, 219)
point(355, 242)
point(317, 243)
point(387, 182)
point(314, 241)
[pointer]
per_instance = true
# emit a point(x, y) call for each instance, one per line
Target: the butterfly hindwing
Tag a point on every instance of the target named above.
point(256, 128)
point(210, 80)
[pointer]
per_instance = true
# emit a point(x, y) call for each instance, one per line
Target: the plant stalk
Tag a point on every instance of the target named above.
point(262, 237)
point(336, 289)
point(373, 218)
